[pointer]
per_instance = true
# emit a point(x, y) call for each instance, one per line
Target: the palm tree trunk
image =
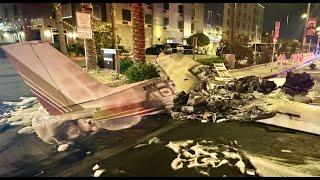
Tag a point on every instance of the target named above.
point(90, 43)
point(138, 33)
point(115, 35)
point(59, 25)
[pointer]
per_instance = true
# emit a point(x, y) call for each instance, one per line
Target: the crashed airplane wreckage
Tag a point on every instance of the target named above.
point(247, 99)
point(74, 103)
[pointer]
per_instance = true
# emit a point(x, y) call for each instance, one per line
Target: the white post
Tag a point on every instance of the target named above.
point(85, 53)
point(255, 45)
point(309, 45)
point(274, 48)
point(317, 44)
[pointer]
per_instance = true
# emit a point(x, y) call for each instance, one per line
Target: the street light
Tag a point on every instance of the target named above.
point(305, 15)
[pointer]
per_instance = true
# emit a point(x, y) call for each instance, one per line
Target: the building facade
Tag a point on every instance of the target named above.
point(164, 22)
point(213, 22)
point(11, 23)
point(244, 18)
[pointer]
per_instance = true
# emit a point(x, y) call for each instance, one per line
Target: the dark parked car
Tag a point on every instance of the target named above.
point(175, 47)
point(187, 49)
point(157, 49)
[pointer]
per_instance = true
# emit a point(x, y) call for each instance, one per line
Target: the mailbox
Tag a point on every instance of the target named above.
point(109, 58)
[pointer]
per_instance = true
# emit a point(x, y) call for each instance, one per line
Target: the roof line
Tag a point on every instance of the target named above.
point(260, 5)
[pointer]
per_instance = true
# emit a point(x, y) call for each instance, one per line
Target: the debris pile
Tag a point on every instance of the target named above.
point(206, 157)
point(313, 66)
point(232, 101)
point(251, 83)
point(297, 83)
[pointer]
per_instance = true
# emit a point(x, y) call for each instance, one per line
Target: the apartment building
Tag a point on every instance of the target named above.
point(11, 23)
point(244, 18)
point(213, 22)
point(164, 22)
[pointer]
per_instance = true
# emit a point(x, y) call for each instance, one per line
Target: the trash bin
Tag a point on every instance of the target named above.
point(109, 58)
point(231, 60)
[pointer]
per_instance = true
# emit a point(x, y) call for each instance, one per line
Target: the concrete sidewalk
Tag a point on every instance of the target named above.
point(263, 70)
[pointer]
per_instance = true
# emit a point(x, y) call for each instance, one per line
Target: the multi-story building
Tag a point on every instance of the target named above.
point(11, 23)
point(31, 21)
point(244, 18)
point(164, 22)
point(213, 21)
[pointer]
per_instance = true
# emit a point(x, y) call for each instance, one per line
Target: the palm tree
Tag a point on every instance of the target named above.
point(114, 34)
point(138, 32)
point(90, 43)
point(59, 25)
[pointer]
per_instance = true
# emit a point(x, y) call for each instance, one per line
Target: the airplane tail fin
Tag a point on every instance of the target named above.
point(59, 84)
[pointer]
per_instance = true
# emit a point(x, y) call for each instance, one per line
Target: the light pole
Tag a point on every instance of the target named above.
point(305, 26)
point(318, 34)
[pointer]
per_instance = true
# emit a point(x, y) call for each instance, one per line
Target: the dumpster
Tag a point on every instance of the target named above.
point(109, 58)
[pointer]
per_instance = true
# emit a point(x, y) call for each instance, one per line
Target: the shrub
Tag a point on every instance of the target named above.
point(125, 64)
point(139, 72)
point(210, 61)
point(76, 49)
point(203, 40)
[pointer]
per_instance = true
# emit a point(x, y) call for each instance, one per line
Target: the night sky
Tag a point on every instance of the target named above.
point(279, 12)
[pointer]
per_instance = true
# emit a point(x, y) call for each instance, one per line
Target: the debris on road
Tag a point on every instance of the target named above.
point(232, 101)
point(297, 83)
point(313, 66)
point(286, 151)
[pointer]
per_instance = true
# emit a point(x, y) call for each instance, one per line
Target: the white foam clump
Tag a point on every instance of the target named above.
point(63, 147)
point(189, 152)
point(95, 167)
point(98, 172)
point(26, 130)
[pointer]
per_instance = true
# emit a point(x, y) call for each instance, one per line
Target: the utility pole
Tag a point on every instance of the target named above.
point(255, 44)
point(233, 21)
point(305, 28)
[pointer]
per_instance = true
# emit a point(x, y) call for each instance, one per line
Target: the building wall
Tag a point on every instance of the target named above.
point(156, 33)
point(246, 17)
point(213, 20)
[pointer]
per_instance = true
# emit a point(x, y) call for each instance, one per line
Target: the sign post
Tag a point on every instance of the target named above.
point(194, 45)
point(84, 30)
point(275, 38)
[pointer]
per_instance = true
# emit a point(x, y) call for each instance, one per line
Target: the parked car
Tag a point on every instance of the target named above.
point(187, 49)
point(175, 47)
point(157, 49)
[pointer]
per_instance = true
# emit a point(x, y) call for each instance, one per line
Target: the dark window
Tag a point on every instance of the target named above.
point(209, 14)
point(228, 23)
point(5, 12)
point(217, 29)
point(229, 12)
point(148, 18)
point(15, 10)
point(180, 9)
point(192, 27)
point(243, 26)
point(180, 24)
point(126, 15)
point(165, 21)
point(166, 6)
point(193, 13)
point(245, 15)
